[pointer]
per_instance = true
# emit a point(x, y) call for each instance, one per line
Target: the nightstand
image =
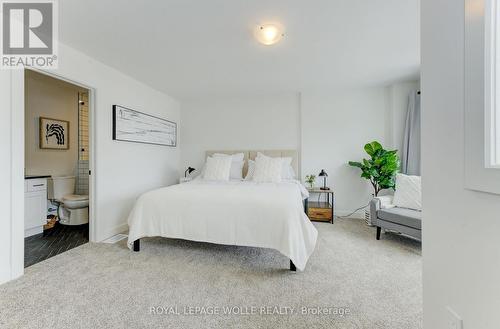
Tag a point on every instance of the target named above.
point(185, 180)
point(321, 211)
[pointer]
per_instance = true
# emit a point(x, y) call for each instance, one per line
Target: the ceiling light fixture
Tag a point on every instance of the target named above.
point(269, 34)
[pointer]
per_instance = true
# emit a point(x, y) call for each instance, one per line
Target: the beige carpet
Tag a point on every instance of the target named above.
point(378, 283)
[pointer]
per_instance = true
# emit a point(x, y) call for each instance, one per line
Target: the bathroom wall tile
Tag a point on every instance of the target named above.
point(83, 141)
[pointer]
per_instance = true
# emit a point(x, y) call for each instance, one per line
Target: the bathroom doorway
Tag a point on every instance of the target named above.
point(57, 166)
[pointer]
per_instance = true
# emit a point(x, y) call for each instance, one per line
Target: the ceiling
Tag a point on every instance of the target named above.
point(191, 49)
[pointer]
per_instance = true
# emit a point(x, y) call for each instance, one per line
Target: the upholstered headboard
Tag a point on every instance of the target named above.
point(251, 155)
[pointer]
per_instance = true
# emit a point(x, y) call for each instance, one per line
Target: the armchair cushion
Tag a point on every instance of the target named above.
point(408, 192)
point(402, 216)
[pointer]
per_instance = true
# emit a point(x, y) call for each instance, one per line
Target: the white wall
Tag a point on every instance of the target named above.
point(122, 170)
point(50, 98)
point(328, 128)
point(238, 123)
point(335, 127)
point(461, 247)
point(5, 177)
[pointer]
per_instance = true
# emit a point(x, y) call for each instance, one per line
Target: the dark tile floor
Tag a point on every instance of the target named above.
point(55, 241)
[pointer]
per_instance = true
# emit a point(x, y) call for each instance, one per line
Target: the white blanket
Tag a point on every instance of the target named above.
point(266, 215)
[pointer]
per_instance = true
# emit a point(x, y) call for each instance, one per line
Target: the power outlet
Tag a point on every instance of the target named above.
point(453, 320)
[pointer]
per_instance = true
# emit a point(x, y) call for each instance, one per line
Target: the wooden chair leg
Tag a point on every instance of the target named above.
point(379, 229)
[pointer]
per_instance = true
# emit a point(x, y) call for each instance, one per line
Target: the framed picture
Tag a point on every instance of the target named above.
point(54, 134)
point(134, 126)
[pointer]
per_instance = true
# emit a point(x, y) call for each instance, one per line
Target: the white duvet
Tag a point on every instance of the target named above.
point(266, 215)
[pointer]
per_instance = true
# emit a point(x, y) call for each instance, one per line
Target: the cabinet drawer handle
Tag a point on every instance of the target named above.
point(37, 185)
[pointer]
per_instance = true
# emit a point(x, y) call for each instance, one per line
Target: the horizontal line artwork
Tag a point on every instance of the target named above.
point(133, 126)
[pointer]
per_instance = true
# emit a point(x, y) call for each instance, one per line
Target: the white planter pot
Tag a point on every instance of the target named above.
point(368, 216)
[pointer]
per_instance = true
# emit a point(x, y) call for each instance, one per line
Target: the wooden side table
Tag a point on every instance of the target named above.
point(321, 211)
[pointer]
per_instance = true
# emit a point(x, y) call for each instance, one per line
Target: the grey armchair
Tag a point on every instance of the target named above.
point(403, 220)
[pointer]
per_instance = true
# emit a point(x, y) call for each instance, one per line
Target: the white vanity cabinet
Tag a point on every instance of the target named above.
point(35, 205)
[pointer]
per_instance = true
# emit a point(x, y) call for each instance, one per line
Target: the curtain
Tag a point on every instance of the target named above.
point(410, 163)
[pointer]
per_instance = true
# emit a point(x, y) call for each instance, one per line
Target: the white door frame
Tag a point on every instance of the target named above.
point(17, 183)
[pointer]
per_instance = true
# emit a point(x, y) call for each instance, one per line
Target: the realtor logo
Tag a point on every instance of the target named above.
point(29, 34)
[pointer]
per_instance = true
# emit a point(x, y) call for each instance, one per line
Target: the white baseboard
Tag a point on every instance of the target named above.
point(101, 236)
point(116, 238)
point(32, 231)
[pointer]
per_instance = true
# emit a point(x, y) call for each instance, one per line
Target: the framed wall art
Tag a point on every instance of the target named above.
point(54, 134)
point(134, 126)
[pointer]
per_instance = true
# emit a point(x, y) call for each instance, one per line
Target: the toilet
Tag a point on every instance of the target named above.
point(73, 208)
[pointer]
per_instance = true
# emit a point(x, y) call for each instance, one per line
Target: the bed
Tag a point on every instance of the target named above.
point(243, 213)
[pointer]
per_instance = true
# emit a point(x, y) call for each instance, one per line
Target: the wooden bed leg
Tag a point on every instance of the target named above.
point(137, 245)
point(292, 266)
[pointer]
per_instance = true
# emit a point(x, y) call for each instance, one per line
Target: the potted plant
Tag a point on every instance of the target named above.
point(380, 169)
point(311, 179)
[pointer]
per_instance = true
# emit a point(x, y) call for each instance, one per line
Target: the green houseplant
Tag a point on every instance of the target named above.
point(381, 168)
point(311, 179)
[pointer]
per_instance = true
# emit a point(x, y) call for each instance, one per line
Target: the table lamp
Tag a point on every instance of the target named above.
point(324, 175)
point(189, 170)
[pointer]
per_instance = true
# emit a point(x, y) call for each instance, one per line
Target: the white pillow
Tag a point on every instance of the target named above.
point(291, 173)
point(236, 156)
point(236, 165)
point(287, 171)
point(217, 168)
point(285, 168)
point(267, 169)
point(408, 192)
point(251, 170)
point(236, 171)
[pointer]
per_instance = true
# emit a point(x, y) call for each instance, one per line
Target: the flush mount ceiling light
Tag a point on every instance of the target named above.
point(269, 34)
